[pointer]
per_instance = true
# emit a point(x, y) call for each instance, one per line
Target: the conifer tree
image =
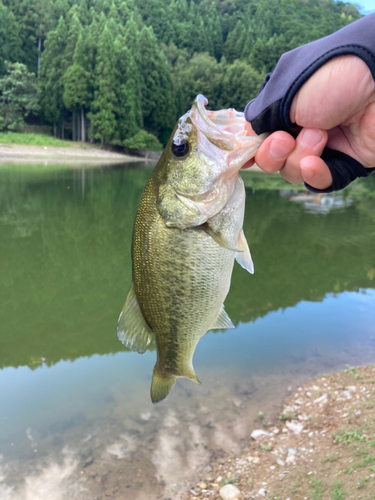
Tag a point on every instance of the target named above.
point(77, 95)
point(104, 105)
point(34, 22)
point(128, 92)
point(51, 75)
point(74, 30)
point(10, 42)
point(158, 97)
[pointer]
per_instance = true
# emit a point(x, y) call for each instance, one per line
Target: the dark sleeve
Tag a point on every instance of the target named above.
point(269, 111)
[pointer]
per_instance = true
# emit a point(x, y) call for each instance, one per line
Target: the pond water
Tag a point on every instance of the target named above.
point(76, 419)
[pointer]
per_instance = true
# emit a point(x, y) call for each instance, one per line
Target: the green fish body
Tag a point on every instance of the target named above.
point(187, 233)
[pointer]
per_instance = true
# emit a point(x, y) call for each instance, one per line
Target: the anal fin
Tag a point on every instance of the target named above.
point(244, 257)
point(223, 321)
point(132, 328)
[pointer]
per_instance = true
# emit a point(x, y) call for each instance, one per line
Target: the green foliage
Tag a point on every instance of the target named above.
point(347, 437)
point(143, 140)
point(32, 139)
point(126, 65)
point(158, 98)
point(240, 83)
point(331, 458)
point(337, 492)
point(316, 489)
point(265, 447)
point(103, 107)
point(351, 370)
point(10, 43)
point(18, 96)
point(52, 72)
point(287, 416)
point(229, 480)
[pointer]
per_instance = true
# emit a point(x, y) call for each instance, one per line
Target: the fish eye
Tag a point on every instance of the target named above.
point(180, 150)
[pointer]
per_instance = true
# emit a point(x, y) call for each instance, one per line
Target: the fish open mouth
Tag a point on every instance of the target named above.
point(227, 129)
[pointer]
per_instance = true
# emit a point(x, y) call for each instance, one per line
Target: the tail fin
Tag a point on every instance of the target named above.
point(161, 385)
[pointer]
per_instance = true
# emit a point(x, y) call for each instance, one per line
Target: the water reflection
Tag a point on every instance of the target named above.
point(81, 423)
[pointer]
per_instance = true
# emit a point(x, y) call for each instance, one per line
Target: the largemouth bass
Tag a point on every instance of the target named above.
point(187, 233)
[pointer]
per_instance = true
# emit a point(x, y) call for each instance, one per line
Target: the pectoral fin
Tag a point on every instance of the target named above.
point(223, 321)
point(244, 257)
point(219, 238)
point(132, 328)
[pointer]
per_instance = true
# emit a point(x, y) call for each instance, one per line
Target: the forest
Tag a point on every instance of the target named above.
point(120, 72)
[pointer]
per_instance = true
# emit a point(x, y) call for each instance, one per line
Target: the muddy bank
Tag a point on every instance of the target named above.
point(18, 153)
point(322, 446)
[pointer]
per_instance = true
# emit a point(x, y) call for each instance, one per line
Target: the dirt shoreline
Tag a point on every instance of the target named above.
point(22, 153)
point(19, 153)
point(322, 447)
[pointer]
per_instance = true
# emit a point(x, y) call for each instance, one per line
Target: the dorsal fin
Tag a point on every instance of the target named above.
point(132, 328)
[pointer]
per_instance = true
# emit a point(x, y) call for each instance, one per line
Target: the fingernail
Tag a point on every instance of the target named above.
point(279, 150)
point(311, 137)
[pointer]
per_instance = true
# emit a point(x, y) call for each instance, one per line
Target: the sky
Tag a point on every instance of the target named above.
point(367, 6)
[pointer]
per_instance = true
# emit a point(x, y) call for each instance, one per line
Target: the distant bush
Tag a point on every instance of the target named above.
point(143, 140)
point(32, 139)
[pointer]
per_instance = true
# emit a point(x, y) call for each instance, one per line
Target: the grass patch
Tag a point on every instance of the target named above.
point(337, 493)
point(362, 483)
point(294, 488)
point(31, 139)
point(369, 405)
point(287, 416)
point(348, 437)
point(331, 458)
point(229, 480)
point(351, 370)
point(317, 490)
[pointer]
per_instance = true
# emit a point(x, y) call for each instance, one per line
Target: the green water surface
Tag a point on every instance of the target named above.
point(65, 270)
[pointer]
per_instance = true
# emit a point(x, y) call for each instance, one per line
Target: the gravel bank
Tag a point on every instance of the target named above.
point(322, 447)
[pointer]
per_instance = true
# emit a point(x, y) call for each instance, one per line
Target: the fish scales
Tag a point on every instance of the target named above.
point(198, 280)
point(187, 233)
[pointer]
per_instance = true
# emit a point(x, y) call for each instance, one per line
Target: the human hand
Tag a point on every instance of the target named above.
point(336, 109)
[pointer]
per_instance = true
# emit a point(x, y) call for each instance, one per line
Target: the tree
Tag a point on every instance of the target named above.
point(51, 76)
point(104, 105)
point(202, 74)
point(10, 43)
point(34, 22)
point(158, 97)
point(128, 92)
point(239, 84)
point(77, 93)
point(18, 96)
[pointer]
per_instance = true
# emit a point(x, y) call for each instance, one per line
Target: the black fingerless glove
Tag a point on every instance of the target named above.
point(269, 111)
